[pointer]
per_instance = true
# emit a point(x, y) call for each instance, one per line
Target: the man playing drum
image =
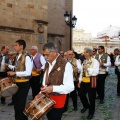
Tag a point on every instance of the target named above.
point(57, 80)
point(23, 68)
point(4, 58)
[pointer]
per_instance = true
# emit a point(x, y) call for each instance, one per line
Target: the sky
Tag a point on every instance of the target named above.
point(95, 15)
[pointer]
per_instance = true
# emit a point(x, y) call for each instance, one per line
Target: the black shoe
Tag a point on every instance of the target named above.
point(101, 101)
point(10, 104)
point(97, 97)
point(83, 110)
point(89, 117)
point(3, 102)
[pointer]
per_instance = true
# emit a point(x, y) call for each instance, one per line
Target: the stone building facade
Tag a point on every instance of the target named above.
point(35, 21)
point(82, 40)
point(79, 45)
point(58, 31)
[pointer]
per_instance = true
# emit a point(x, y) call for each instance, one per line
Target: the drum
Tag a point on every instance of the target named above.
point(7, 87)
point(38, 107)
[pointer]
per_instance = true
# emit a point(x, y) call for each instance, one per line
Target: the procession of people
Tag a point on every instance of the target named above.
point(57, 76)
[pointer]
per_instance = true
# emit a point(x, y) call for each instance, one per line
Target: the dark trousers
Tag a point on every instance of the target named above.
point(66, 103)
point(19, 100)
point(118, 83)
point(35, 85)
point(55, 114)
point(88, 102)
point(73, 95)
point(3, 75)
point(101, 86)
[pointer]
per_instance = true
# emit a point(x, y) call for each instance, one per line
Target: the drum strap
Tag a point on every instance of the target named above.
point(46, 79)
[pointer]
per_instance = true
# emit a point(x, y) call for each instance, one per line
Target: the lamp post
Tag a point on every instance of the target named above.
point(71, 22)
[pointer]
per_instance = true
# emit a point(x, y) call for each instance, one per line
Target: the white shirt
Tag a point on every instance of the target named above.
point(42, 60)
point(2, 68)
point(94, 56)
point(68, 85)
point(78, 65)
point(117, 63)
point(28, 67)
point(108, 64)
point(92, 71)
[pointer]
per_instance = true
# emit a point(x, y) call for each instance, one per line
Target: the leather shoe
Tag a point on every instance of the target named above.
point(101, 101)
point(3, 102)
point(89, 117)
point(83, 110)
point(10, 104)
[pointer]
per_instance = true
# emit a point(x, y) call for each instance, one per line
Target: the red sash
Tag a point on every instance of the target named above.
point(59, 99)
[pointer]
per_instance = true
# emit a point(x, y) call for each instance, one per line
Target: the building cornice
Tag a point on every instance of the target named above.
point(15, 29)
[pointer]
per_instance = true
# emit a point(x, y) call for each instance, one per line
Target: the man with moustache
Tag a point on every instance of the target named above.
point(37, 71)
point(57, 80)
point(76, 65)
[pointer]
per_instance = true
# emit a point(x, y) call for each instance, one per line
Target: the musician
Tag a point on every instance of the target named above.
point(90, 68)
point(37, 71)
point(12, 56)
point(62, 53)
point(4, 58)
point(57, 80)
point(116, 51)
point(76, 65)
point(104, 61)
point(117, 64)
point(65, 55)
point(94, 52)
point(22, 72)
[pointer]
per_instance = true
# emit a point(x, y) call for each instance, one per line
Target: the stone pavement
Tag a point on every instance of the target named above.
point(110, 110)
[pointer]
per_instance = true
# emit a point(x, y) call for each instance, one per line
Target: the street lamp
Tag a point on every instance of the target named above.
point(71, 22)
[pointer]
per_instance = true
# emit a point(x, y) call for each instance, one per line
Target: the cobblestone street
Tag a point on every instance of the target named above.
point(110, 110)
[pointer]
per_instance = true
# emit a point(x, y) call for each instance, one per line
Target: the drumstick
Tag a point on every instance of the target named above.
point(43, 87)
point(46, 85)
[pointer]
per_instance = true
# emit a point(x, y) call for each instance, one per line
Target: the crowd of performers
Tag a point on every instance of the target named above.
point(61, 75)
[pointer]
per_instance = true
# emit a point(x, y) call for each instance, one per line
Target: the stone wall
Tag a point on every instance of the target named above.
point(21, 14)
point(58, 31)
point(20, 19)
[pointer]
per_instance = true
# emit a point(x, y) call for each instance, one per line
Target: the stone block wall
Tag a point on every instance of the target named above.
point(22, 14)
point(58, 31)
